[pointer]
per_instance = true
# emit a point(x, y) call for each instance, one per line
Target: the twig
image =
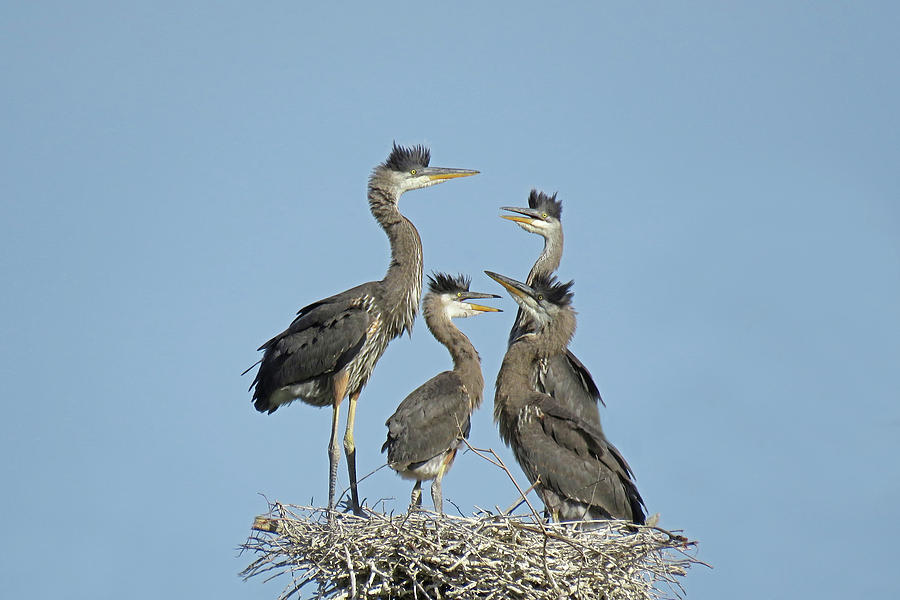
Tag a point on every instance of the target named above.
point(482, 452)
point(521, 499)
point(424, 555)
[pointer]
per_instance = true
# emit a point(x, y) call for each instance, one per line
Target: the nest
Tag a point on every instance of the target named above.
point(429, 556)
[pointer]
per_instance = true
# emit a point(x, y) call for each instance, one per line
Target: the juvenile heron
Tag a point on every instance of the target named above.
point(331, 347)
point(579, 474)
point(430, 424)
point(562, 375)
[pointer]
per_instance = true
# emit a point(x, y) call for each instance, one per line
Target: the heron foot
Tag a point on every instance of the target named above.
point(347, 505)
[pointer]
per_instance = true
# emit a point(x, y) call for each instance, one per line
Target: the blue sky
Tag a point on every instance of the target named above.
point(179, 178)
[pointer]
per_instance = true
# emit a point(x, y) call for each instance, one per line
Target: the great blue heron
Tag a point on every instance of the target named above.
point(562, 375)
point(579, 475)
point(331, 347)
point(429, 425)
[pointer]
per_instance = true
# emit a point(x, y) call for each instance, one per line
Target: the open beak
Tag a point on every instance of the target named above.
point(531, 214)
point(442, 173)
point(471, 295)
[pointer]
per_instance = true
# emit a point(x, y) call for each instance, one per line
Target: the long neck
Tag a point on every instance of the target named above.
point(466, 362)
point(402, 284)
point(545, 264)
point(514, 382)
point(550, 257)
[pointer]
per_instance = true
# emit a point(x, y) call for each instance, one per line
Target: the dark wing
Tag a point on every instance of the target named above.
point(324, 337)
point(587, 380)
point(574, 460)
point(324, 311)
point(429, 420)
point(566, 376)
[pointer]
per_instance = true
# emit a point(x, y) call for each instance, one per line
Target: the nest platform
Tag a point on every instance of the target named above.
point(423, 555)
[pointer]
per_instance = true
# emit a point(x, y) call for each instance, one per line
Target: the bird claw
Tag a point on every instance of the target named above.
point(346, 505)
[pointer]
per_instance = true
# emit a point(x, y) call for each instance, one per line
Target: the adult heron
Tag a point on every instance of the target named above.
point(562, 375)
point(430, 424)
point(577, 472)
point(331, 347)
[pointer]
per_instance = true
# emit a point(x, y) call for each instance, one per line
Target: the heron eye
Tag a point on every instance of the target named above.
point(544, 216)
point(540, 296)
point(459, 294)
point(412, 172)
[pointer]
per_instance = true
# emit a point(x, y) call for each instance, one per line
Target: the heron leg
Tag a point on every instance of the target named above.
point(334, 450)
point(436, 495)
point(350, 450)
point(415, 500)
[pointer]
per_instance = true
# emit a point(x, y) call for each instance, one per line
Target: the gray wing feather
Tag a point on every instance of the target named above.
point(564, 375)
point(587, 380)
point(559, 377)
point(324, 337)
point(429, 420)
point(320, 313)
point(573, 459)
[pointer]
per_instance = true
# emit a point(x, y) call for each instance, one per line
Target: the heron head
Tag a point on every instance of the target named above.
point(543, 300)
point(541, 217)
point(451, 294)
point(407, 168)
